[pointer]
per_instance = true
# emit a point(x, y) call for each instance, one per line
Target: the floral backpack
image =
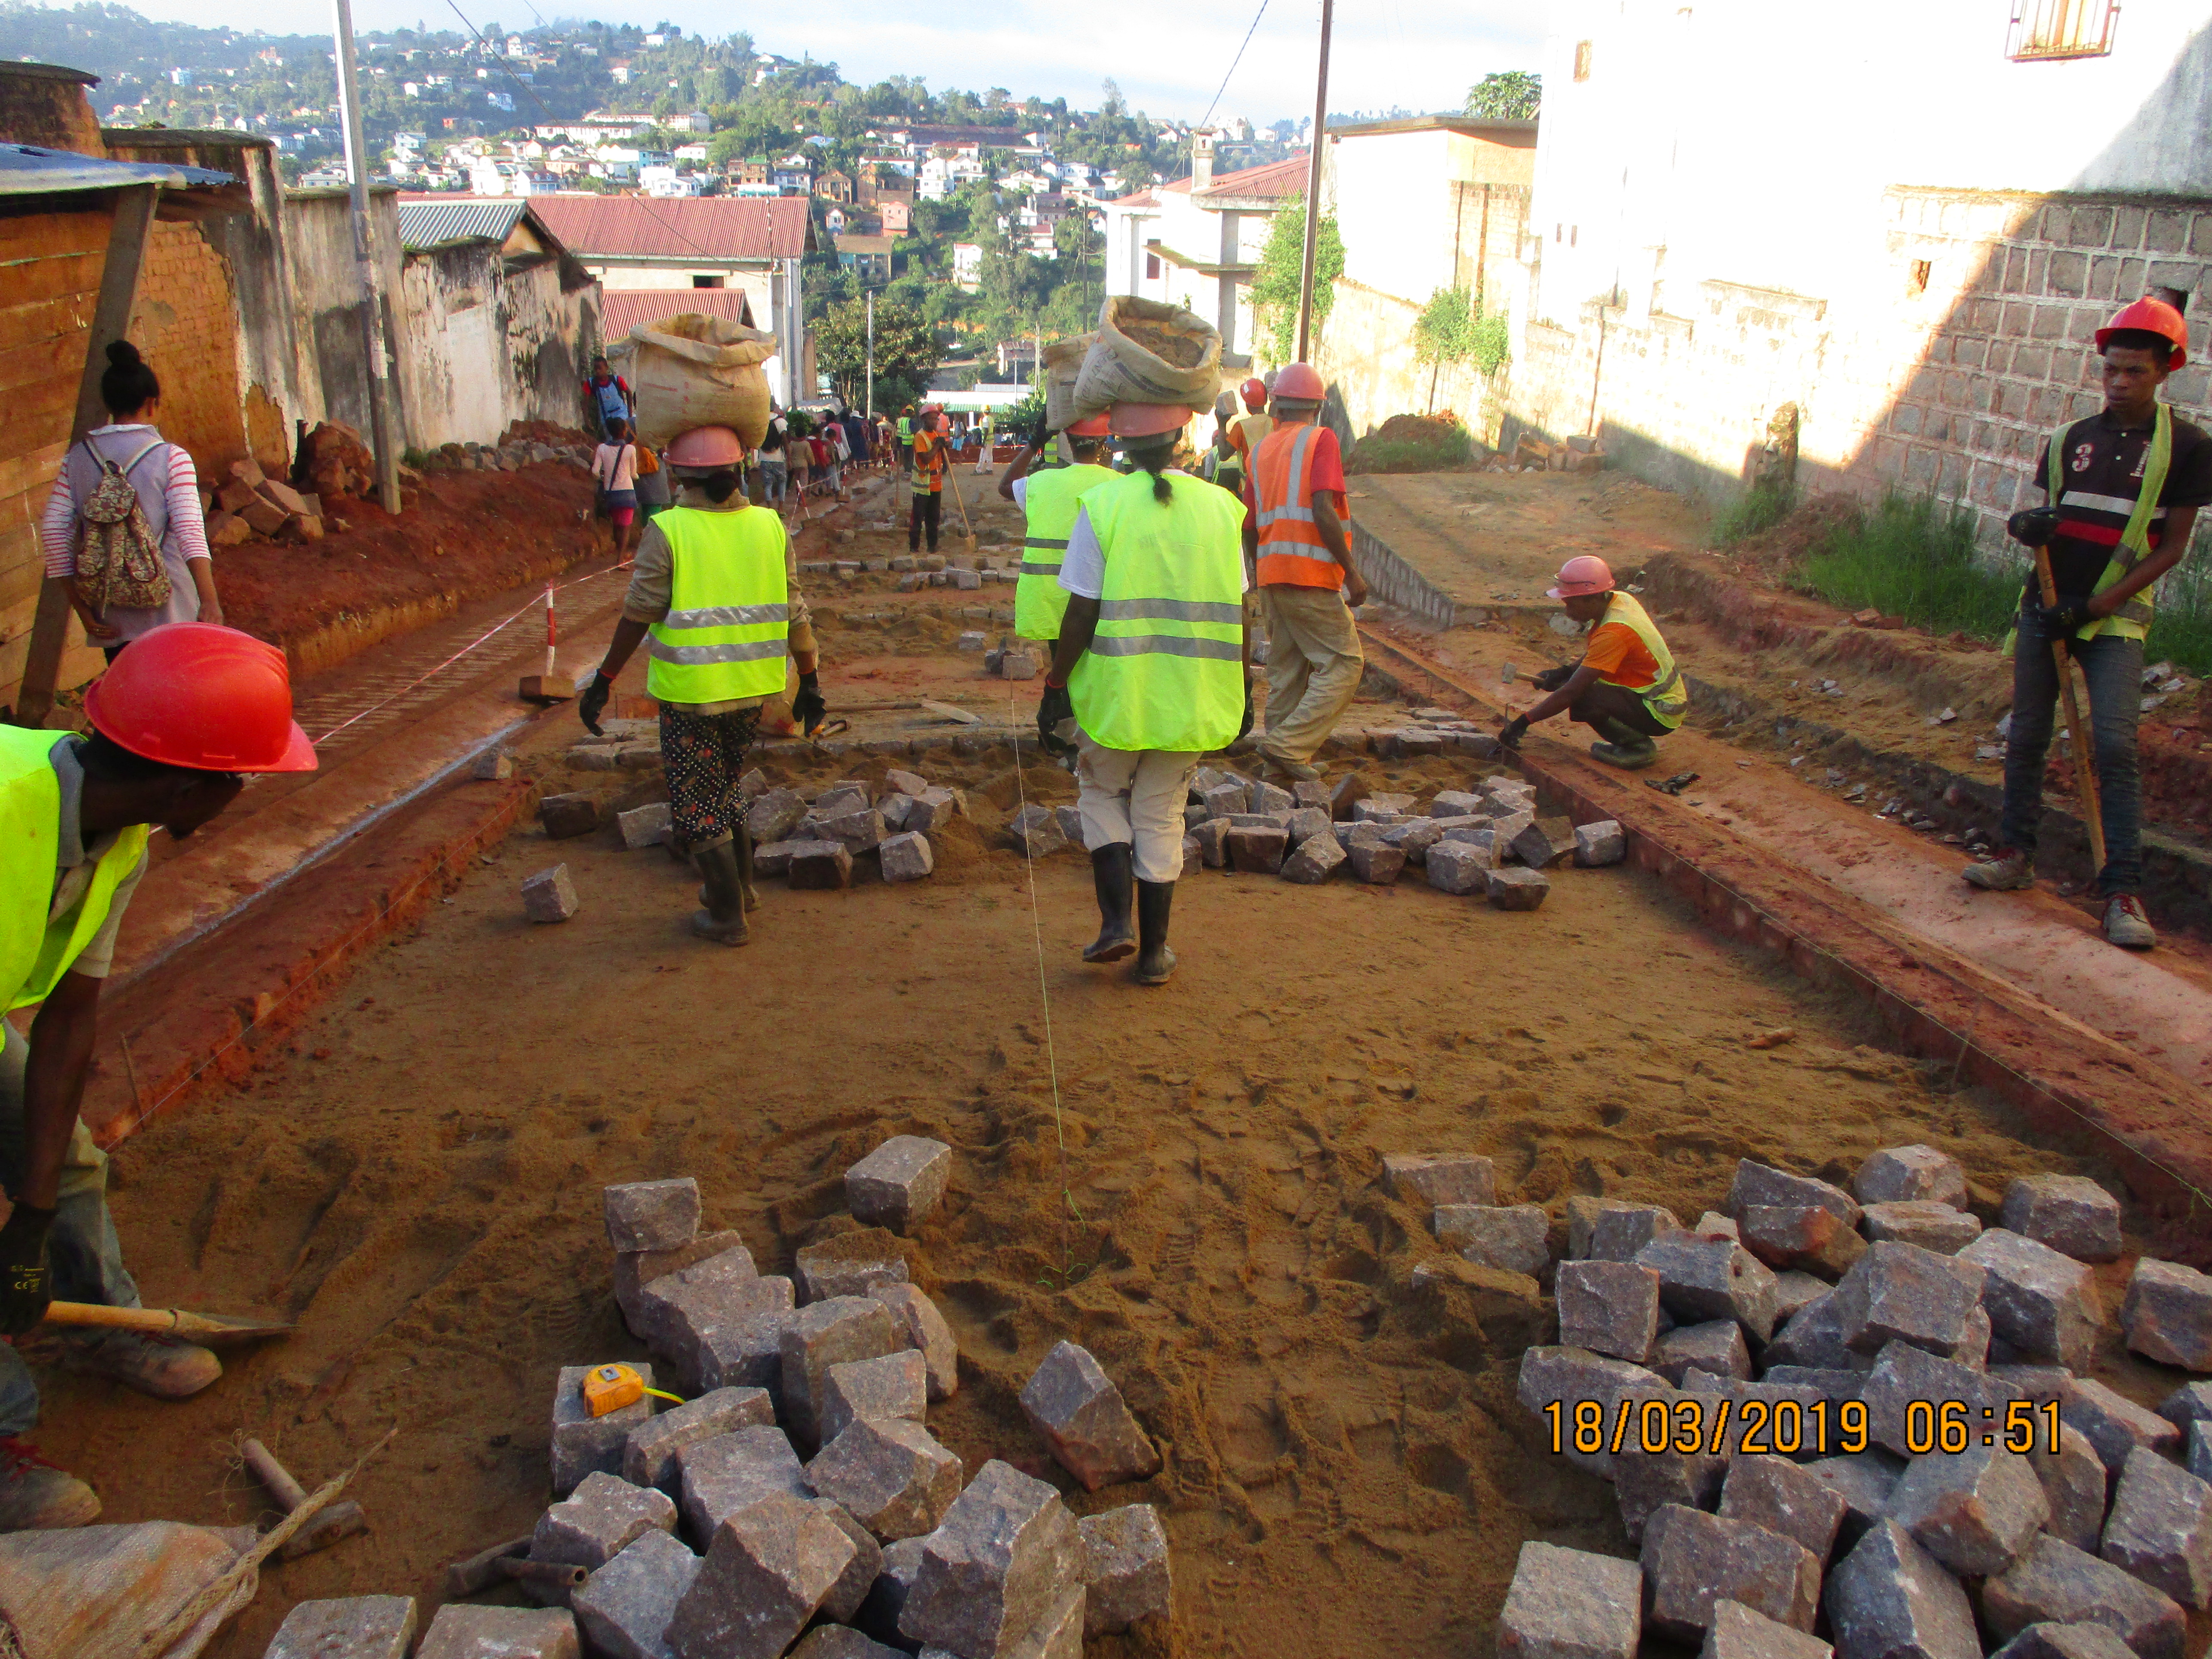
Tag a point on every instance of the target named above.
point(120, 561)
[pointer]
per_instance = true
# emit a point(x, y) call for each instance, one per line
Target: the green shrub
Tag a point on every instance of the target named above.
point(1453, 329)
point(1913, 558)
point(1768, 501)
point(2181, 628)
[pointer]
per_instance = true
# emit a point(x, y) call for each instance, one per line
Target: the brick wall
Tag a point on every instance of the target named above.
point(185, 326)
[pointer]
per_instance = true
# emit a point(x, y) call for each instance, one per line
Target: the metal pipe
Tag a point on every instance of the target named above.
point(383, 435)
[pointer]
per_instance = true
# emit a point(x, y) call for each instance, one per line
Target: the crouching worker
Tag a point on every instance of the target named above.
point(713, 598)
point(1152, 666)
point(1627, 686)
point(182, 713)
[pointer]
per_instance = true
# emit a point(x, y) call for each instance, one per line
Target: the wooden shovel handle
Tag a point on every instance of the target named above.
point(121, 1319)
point(2085, 764)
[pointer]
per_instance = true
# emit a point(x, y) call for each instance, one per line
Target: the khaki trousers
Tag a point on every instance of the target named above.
point(1135, 796)
point(1314, 667)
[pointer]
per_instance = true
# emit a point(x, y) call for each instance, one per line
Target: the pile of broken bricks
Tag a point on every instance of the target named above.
point(811, 844)
point(1771, 1393)
point(697, 1530)
point(1488, 841)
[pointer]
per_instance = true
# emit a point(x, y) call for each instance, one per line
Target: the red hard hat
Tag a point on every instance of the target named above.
point(2151, 316)
point(1255, 393)
point(707, 448)
point(1146, 420)
point(199, 695)
point(1297, 383)
point(1584, 573)
point(1090, 426)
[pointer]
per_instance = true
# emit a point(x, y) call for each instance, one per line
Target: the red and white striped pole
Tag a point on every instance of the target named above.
point(550, 634)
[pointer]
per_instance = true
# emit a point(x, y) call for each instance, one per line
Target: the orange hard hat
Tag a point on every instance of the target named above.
point(1297, 383)
point(2150, 316)
point(1090, 426)
point(1584, 573)
point(199, 695)
point(1127, 420)
point(1255, 393)
point(707, 449)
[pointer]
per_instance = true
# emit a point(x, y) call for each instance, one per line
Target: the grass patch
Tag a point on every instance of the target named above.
point(1412, 455)
point(1759, 509)
point(1913, 558)
point(2181, 626)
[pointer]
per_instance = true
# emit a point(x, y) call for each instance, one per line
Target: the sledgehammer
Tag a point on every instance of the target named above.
point(335, 1521)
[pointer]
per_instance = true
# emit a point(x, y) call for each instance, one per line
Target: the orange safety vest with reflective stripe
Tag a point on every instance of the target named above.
point(1291, 551)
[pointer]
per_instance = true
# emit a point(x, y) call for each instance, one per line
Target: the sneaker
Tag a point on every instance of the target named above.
point(2006, 872)
point(160, 1366)
point(2125, 924)
point(1295, 771)
point(35, 1496)
point(1627, 758)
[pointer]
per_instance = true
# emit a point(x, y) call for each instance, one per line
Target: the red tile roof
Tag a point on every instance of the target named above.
point(1283, 178)
point(712, 227)
point(621, 309)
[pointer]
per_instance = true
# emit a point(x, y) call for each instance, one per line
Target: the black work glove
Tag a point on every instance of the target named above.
point(1054, 707)
point(1040, 432)
point(593, 702)
point(1513, 731)
point(2034, 526)
point(1552, 678)
point(25, 1288)
point(1244, 728)
point(807, 707)
point(2059, 621)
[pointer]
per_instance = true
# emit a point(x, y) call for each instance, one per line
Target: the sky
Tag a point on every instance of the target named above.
point(1168, 55)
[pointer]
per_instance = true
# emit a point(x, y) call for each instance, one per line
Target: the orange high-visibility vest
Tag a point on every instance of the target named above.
point(1291, 551)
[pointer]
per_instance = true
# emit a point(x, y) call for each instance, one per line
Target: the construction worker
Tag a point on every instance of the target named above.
point(713, 590)
point(1626, 685)
point(1152, 666)
point(1048, 497)
point(2122, 489)
point(985, 433)
point(1248, 431)
point(933, 459)
point(1301, 551)
point(180, 714)
point(1224, 462)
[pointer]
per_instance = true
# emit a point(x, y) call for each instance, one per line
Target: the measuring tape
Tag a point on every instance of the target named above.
point(609, 1388)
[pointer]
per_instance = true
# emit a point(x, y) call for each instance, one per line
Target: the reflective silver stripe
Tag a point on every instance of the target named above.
point(2136, 610)
point(2122, 505)
point(1294, 485)
point(1046, 542)
point(1661, 688)
point(1191, 610)
point(1165, 645)
point(728, 615)
point(1030, 569)
point(692, 656)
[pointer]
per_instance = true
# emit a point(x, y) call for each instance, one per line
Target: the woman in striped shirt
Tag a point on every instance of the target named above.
point(168, 494)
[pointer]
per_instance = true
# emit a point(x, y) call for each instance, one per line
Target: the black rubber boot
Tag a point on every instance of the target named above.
point(745, 846)
point(1631, 750)
point(1113, 872)
point(723, 921)
point(1156, 963)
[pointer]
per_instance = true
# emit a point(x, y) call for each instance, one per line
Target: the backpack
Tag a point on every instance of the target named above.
point(120, 561)
point(647, 462)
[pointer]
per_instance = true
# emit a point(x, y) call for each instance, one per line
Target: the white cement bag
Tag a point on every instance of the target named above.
point(691, 371)
point(1063, 363)
point(1149, 352)
point(97, 1592)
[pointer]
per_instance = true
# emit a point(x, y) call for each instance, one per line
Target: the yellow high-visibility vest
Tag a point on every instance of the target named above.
point(1050, 504)
point(1666, 697)
point(728, 618)
point(35, 951)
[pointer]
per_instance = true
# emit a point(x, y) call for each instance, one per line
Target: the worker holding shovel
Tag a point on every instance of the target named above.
point(2122, 492)
point(178, 717)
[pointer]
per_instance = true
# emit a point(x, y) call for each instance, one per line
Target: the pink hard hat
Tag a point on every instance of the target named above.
point(1584, 573)
point(1090, 426)
point(1146, 420)
point(707, 449)
point(1298, 383)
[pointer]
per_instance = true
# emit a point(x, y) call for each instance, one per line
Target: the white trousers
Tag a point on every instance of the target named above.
point(1136, 796)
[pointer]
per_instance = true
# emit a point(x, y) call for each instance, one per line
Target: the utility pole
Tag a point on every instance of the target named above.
point(382, 432)
point(872, 356)
point(1313, 184)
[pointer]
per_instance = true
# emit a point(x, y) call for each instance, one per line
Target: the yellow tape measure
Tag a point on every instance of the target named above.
point(609, 1388)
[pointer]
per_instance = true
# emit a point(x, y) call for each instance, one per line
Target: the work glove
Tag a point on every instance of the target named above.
point(808, 707)
point(25, 1285)
point(2034, 526)
point(2059, 621)
point(1054, 707)
point(1552, 678)
point(1040, 432)
point(1244, 726)
point(1513, 731)
point(593, 702)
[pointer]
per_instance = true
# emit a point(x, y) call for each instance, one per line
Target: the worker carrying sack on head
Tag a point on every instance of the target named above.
point(2122, 489)
point(1297, 535)
point(714, 598)
point(1626, 685)
point(1151, 668)
point(1048, 497)
point(180, 714)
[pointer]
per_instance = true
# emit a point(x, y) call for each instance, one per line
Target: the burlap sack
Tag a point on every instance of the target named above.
point(691, 370)
point(1149, 352)
point(98, 1592)
point(1063, 363)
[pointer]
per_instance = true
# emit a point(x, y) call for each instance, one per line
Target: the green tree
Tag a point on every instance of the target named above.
point(1453, 329)
point(1508, 95)
point(1275, 280)
point(906, 352)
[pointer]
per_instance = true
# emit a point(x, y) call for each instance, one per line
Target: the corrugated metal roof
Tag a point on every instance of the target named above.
point(714, 227)
point(435, 221)
point(621, 309)
point(29, 170)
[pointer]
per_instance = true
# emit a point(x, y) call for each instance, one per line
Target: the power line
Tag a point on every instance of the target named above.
point(1233, 63)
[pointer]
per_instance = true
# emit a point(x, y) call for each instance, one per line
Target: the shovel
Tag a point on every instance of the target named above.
point(164, 1322)
point(961, 502)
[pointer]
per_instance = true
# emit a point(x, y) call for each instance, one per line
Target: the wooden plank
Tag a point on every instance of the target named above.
point(46, 279)
point(33, 472)
point(34, 234)
point(118, 294)
point(45, 319)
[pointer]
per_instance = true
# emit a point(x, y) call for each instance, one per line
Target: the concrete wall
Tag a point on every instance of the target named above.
point(487, 341)
point(328, 304)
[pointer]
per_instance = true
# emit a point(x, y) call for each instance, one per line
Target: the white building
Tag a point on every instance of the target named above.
point(968, 264)
point(1195, 243)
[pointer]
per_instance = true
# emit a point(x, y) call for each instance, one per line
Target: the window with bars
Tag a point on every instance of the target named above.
point(2060, 28)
